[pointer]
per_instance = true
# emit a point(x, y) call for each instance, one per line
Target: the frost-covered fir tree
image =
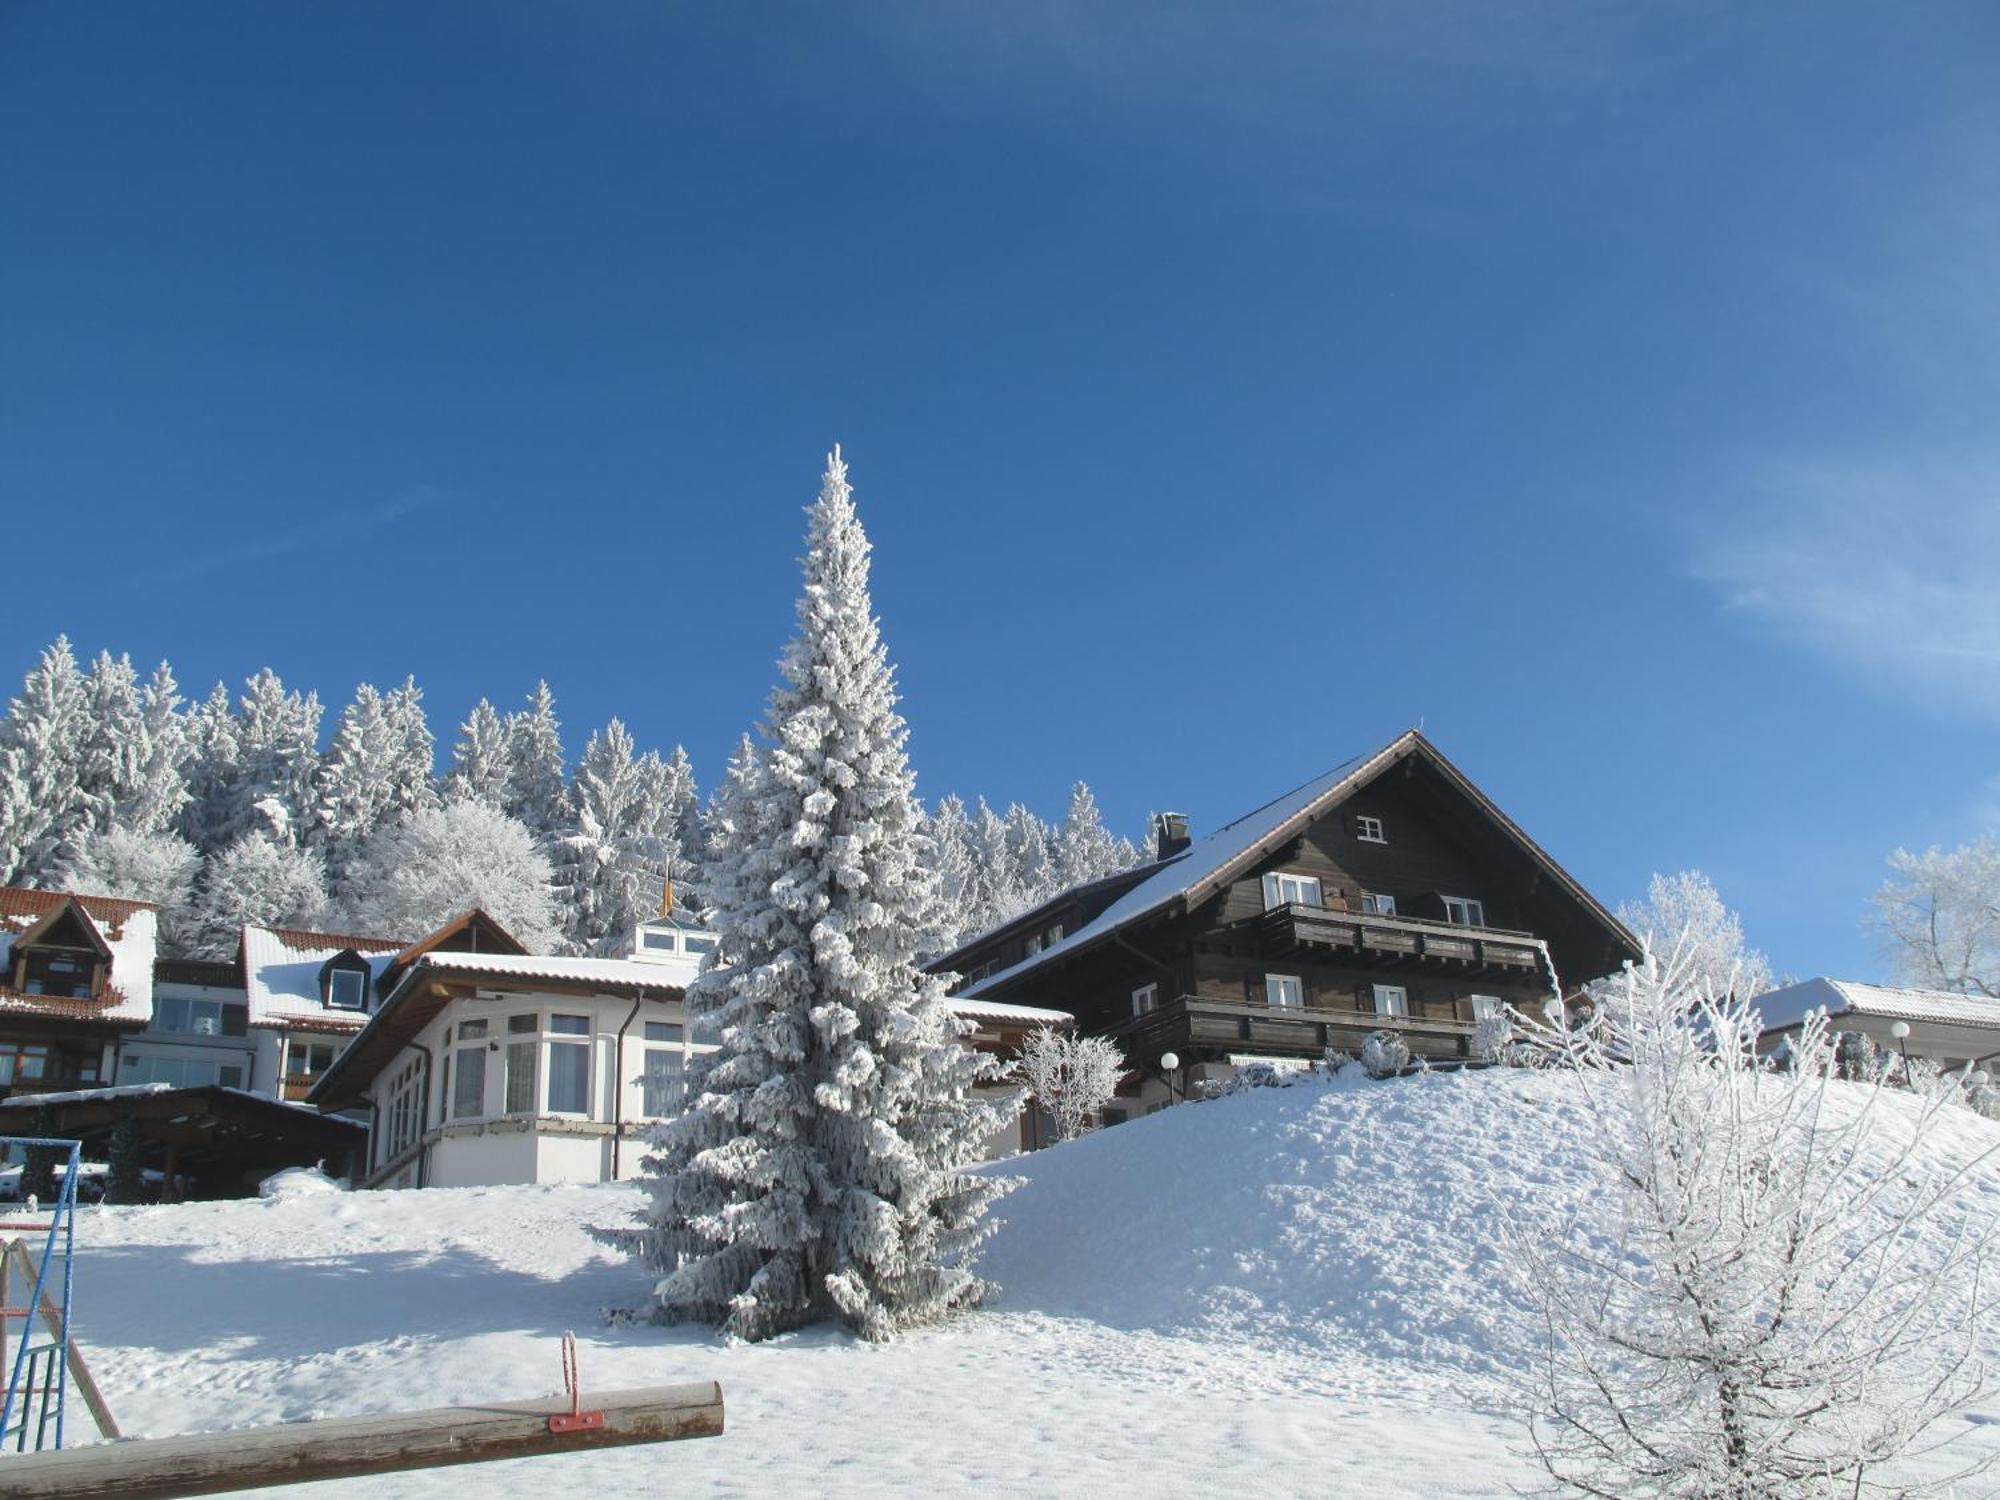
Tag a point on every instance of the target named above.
point(611, 865)
point(538, 793)
point(412, 877)
point(111, 760)
point(413, 751)
point(159, 867)
point(256, 879)
point(677, 822)
point(212, 772)
point(1033, 860)
point(821, 1170)
point(1084, 848)
point(480, 763)
point(161, 792)
point(955, 862)
point(353, 793)
point(277, 761)
point(996, 892)
point(42, 807)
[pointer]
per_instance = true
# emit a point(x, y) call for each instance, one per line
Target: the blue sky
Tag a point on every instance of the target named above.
point(1609, 388)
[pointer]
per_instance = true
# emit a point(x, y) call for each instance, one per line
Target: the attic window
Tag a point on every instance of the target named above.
point(1369, 830)
point(64, 975)
point(664, 941)
point(346, 989)
point(1283, 889)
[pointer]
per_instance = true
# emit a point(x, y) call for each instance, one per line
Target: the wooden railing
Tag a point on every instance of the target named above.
point(1401, 938)
point(1205, 1020)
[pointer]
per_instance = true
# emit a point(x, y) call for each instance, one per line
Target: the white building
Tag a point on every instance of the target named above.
point(485, 1064)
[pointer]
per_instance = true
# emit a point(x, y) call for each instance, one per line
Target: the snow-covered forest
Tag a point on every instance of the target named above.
point(250, 807)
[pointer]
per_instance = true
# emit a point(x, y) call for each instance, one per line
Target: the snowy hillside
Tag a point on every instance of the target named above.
point(1289, 1288)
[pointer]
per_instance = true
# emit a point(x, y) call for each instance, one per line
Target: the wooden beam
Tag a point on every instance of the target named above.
point(17, 1257)
point(213, 1463)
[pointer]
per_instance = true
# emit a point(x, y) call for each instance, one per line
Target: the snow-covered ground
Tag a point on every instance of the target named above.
point(1289, 1291)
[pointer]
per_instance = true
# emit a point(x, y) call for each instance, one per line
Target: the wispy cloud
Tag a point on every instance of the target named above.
point(1891, 572)
point(327, 528)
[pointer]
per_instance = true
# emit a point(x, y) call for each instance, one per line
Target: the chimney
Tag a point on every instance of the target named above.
point(1170, 835)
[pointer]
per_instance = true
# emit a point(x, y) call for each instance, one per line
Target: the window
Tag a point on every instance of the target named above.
point(184, 1016)
point(665, 1031)
point(1485, 1007)
point(402, 1121)
point(1145, 999)
point(22, 1060)
point(1392, 1000)
point(1464, 911)
point(1055, 934)
point(570, 1025)
point(1284, 889)
point(664, 941)
point(521, 1071)
point(308, 1059)
point(468, 1078)
point(1034, 944)
point(1286, 990)
point(695, 944)
point(663, 1082)
point(346, 989)
point(179, 1072)
point(1369, 830)
point(59, 975)
point(569, 1077)
point(1375, 904)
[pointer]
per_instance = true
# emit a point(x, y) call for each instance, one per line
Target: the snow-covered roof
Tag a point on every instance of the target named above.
point(72, 1096)
point(1211, 862)
point(1023, 1015)
point(608, 971)
point(1841, 997)
point(281, 969)
point(130, 930)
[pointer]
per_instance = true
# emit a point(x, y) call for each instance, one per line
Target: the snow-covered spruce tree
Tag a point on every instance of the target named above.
point(413, 754)
point(111, 757)
point(1071, 1077)
point(537, 791)
point(159, 867)
point(212, 772)
point(995, 893)
point(161, 793)
point(821, 1170)
point(256, 879)
point(479, 761)
point(611, 865)
point(1084, 848)
point(277, 762)
point(41, 749)
point(1034, 862)
point(674, 797)
point(1775, 1287)
point(411, 878)
point(955, 861)
point(352, 797)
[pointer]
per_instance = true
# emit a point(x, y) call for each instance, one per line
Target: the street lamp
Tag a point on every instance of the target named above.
point(1901, 1032)
point(1170, 1064)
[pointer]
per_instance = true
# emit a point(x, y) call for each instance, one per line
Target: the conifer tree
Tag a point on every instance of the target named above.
point(277, 743)
point(213, 771)
point(820, 1173)
point(42, 806)
point(1085, 848)
point(610, 866)
point(537, 793)
point(955, 862)
point(353, 794)
point(111, 759)
point(162, 790)
point(1033, 861)
point(136, 865)
point(413, 754)
point(479, 761)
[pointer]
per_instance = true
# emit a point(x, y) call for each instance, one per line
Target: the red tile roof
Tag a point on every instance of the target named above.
point(21, 907)
point(302, 941)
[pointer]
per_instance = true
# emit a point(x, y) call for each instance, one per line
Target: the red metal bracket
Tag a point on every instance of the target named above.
point(576, 1419)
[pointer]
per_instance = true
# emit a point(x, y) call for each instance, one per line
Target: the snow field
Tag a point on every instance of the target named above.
point(1289, 1291)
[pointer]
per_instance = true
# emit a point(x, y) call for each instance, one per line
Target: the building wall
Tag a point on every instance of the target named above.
point(195, 1058)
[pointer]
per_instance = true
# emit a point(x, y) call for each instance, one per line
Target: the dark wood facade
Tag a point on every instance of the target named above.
point(1401, 876)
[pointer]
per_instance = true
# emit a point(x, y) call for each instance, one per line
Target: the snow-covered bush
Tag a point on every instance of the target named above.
point(412, 878)
point(1384, 1054)
point(1071, 1077)
point(156, 867)
point(256, 879)
point(1771, 1294)
point(1492, 1038)
point(1856, 1058)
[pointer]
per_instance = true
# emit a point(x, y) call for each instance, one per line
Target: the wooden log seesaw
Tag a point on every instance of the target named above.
point(386, 1443)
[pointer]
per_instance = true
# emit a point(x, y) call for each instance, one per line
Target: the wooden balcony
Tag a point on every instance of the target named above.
point(1192, 1023)
point(297, 1086)
point(1384, 942)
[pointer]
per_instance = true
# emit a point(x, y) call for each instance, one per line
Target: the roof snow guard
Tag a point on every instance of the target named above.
point(1183, 880)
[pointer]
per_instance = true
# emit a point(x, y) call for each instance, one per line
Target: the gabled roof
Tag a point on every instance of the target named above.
point(1211, 863)
point(1846, 997)
point(125, 933)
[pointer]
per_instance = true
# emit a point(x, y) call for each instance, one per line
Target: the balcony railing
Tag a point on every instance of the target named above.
point(1197, 1021)
point(1401, 942)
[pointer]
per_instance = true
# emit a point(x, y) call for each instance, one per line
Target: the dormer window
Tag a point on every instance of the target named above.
point(343, 982)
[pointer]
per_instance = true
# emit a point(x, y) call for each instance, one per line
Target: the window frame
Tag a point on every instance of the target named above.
point(1274, 986)
point(1146, 999)
point(1274, 889)
point(1377, 904)
point(1392, 1002)
point(333, 982)
point(1370, 829)
point(1471, 906)
point(1492, 1006)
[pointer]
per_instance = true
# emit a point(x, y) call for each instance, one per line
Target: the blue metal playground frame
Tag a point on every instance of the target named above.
point(38, 1374)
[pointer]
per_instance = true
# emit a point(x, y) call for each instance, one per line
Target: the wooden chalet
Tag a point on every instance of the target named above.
point(1388, 894)
point(76, 979)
